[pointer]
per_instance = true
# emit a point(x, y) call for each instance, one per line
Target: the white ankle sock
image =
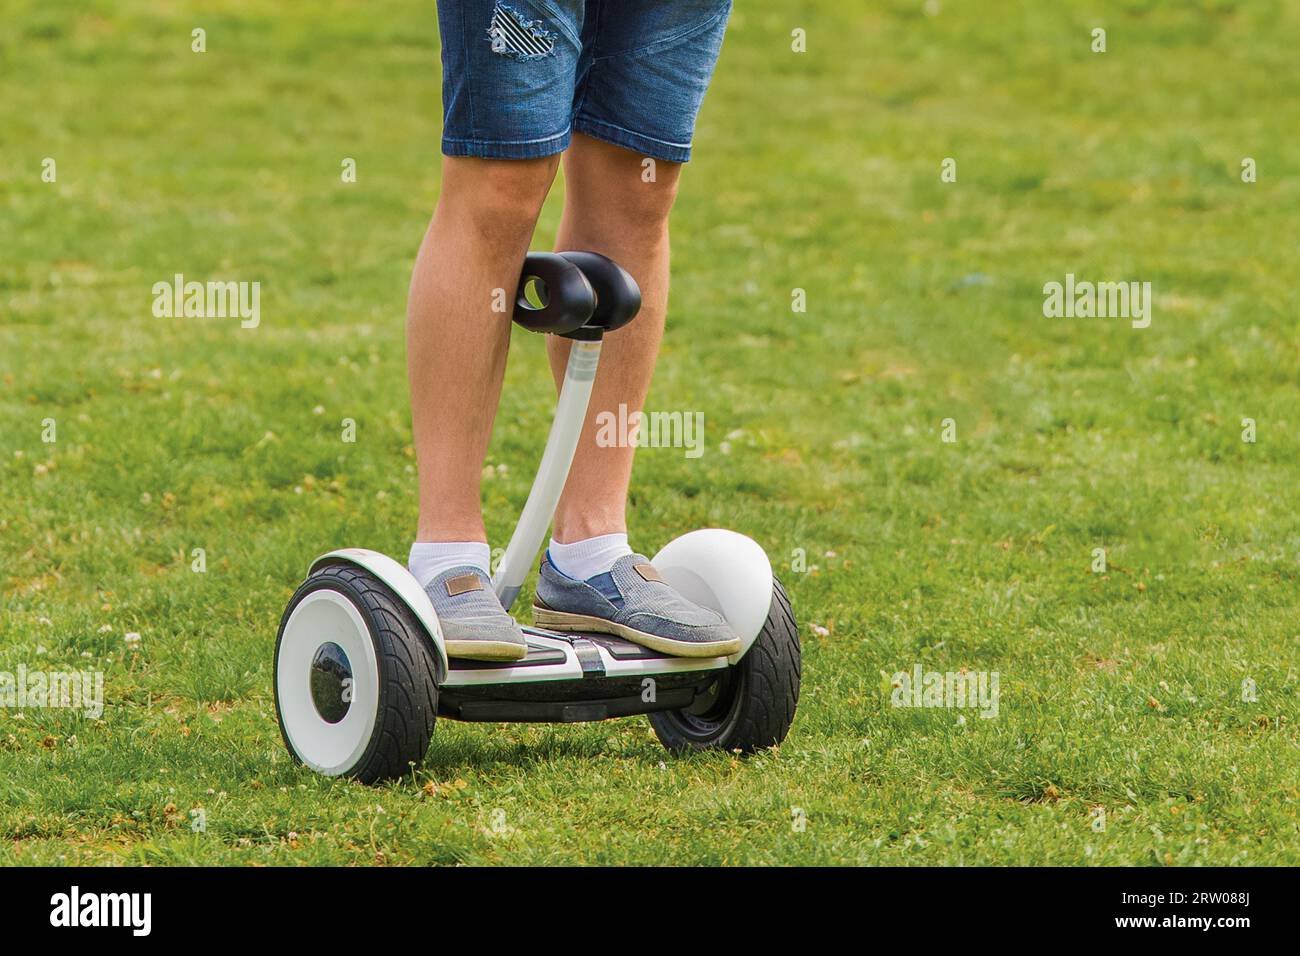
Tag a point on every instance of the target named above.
point(430, 558)
point(590, 556)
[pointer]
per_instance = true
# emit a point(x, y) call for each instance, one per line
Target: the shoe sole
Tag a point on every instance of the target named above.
point(564, 621)
point(487, 650)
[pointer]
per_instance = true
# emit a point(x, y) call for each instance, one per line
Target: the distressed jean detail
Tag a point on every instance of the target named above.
point(513, 35)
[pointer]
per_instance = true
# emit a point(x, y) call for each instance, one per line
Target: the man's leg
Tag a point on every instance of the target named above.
point(609, 209)
point(456, 344)
point(591, 580)
point(456, 355)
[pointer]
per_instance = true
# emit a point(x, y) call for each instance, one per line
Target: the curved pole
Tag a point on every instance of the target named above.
point(566, 429)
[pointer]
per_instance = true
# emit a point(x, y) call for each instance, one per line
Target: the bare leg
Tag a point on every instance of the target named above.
point(610, 209)
point(456, 344)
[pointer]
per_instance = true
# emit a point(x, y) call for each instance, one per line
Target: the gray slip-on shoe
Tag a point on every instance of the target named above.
point(632, 601)
point(474, 625)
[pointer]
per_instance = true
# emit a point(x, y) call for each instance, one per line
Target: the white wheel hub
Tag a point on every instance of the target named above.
point(335, 745)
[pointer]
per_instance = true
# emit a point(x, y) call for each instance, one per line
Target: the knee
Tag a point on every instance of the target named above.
point(630, 206)
point(647, 204)
point(498, 200)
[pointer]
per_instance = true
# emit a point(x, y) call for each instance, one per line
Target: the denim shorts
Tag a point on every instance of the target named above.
point(520, 76)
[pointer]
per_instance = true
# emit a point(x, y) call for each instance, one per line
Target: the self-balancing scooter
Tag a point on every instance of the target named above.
point(361, 670)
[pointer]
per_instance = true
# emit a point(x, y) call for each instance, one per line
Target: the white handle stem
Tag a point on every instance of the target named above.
point(566, 429)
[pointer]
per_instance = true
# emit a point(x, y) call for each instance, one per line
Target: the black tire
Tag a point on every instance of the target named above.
point(408, 672)
point(752, 704)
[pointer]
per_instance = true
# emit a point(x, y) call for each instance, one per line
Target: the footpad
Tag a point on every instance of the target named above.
point(622, 650)
point(538, 656)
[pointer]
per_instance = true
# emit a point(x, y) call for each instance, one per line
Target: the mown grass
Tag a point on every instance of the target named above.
point(817, 171)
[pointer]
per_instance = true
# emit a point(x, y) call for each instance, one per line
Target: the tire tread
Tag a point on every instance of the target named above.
point(772, 670)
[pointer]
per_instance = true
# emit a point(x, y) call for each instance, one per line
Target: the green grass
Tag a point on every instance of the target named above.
point(817, 171)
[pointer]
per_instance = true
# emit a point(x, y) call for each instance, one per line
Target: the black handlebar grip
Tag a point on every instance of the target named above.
point(618, 297)
point(568, 296)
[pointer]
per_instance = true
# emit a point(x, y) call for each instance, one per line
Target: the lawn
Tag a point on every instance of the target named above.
point(930, 462)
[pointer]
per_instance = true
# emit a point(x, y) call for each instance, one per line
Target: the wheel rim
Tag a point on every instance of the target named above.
point(325, 643)
point(711, 712)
